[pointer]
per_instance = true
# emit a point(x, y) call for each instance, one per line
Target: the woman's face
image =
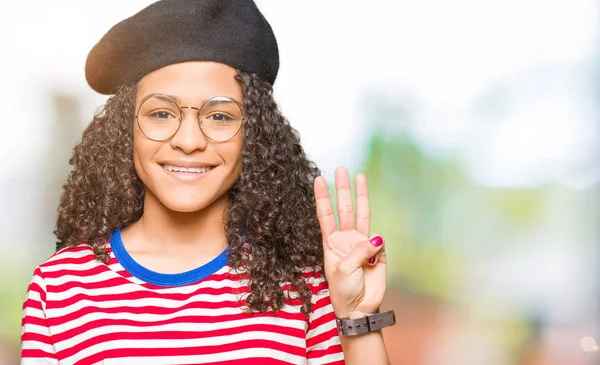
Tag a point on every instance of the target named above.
point(156, 163)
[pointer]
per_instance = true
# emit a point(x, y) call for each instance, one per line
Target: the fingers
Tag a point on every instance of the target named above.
point(344, 199)
point(360, 254)
point(363, 213)
point(379, 257)
point(324, 210)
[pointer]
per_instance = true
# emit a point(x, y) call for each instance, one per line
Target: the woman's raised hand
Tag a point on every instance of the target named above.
point(355, 263)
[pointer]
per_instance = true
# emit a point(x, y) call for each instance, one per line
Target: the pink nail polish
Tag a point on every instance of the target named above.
point(372, 260)
point(376, 241)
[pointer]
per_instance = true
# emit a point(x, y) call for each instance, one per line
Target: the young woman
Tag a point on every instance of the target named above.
point(187, 231)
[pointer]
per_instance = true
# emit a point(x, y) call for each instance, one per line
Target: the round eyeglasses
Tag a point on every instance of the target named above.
point(159, 117)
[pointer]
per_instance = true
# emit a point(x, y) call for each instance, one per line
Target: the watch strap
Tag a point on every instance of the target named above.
point(370, 323)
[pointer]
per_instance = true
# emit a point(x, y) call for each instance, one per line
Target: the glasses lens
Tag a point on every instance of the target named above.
point(220, 118)
point(158, 117)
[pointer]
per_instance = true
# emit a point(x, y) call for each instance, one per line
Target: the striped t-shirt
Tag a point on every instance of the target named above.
point(79, 310)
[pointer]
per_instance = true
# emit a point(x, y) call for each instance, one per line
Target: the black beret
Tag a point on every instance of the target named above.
point(233, 32)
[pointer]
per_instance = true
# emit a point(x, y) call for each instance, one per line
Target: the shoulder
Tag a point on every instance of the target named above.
point(57, 265)
point(67, 258)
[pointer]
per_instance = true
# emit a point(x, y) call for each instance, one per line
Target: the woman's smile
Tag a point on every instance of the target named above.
point(186, 171)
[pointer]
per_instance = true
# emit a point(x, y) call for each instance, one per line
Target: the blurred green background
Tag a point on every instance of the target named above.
point(476, 124)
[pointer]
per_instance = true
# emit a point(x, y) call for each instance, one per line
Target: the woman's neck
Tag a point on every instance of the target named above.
point(162, 230)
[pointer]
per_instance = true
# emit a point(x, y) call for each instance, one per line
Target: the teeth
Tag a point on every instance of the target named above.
point(186, 169)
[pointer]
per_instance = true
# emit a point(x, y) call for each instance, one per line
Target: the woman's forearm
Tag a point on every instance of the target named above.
point(368, 348)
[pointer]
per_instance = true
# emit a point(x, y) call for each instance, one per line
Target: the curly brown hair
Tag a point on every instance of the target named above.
point(271, 205)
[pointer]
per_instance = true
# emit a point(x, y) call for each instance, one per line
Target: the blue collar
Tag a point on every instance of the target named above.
point(156, 278)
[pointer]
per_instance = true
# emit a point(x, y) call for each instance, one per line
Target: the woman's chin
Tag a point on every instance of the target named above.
point(184, 204)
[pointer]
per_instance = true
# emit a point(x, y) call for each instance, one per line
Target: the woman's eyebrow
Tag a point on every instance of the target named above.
point(178, 101)
point(174, 97)
point(220, 100)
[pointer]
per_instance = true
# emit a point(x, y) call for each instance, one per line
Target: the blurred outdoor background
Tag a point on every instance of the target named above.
point(476, 123)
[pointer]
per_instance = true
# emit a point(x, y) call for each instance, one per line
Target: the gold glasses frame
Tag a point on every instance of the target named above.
point(181, 115)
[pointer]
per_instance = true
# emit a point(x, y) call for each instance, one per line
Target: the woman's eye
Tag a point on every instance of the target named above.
point(220, 117)
point(161, 115)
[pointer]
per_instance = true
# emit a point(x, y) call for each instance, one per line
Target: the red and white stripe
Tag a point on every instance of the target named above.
point(81, 311)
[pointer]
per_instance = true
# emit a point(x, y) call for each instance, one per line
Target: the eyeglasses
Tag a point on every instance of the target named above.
point(159, 117)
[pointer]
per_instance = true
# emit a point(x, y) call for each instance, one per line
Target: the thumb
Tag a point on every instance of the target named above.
point(360, 254)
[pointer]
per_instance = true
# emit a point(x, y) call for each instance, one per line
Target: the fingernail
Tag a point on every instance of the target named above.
point(372, 260)
point(376, 241)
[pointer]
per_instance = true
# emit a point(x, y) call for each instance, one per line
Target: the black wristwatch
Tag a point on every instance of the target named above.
point(369, 323)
